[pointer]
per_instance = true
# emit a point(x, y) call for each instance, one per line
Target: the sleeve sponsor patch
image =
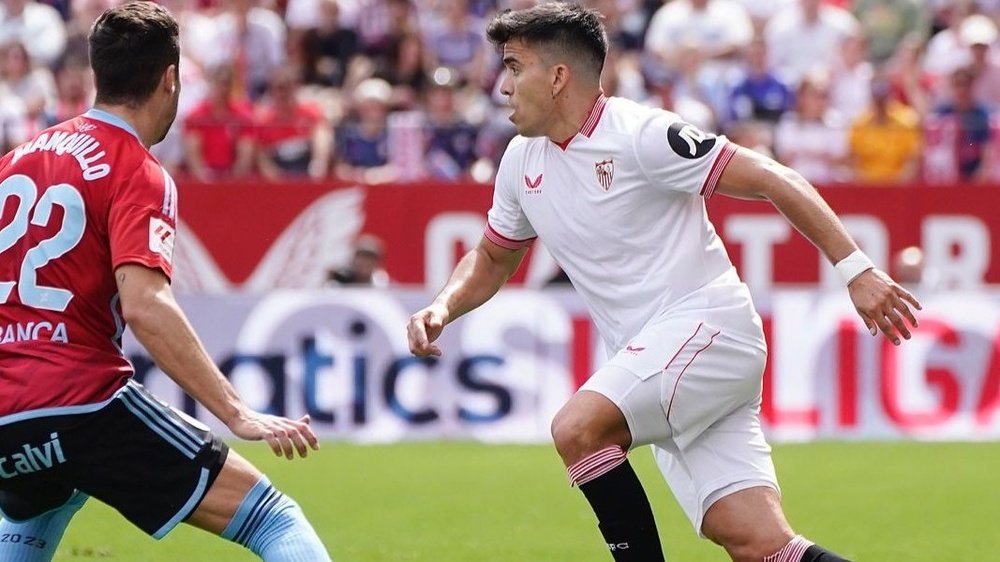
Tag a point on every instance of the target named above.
point(161, 238)
point(688, 141)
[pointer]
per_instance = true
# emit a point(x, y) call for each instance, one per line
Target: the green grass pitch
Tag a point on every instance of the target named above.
point(465, 502)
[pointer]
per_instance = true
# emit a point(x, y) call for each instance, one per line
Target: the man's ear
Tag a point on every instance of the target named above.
point(560, 78)
point(170, 80)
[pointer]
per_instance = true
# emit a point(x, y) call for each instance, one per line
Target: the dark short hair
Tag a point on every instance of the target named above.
point(130, 47)
point(571, 29)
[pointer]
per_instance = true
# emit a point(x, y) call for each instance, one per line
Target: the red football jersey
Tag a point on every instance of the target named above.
point(77, 201)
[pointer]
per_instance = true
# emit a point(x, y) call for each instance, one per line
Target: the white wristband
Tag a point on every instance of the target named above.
point(853, 265)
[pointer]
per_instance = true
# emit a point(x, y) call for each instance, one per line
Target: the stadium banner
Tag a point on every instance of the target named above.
point(341, 356)
point(255, 236)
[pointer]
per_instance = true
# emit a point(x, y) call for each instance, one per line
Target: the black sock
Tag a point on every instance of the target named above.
point(624, 515)
point(817, 553)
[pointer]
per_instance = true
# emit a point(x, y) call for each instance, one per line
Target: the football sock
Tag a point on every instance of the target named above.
point(273, 527)
point(37, 538)
point(623, 513)
point(800, 549)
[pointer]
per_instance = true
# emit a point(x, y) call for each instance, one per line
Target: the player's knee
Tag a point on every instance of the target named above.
point(747, 544)
point(576, 436)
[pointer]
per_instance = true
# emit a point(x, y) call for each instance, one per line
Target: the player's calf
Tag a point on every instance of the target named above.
point(35, 539)
point(624, 516)
point(273, 527)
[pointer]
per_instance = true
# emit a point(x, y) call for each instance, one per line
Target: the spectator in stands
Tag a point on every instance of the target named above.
point(365, 267)
point(760, 95)
point(450, 138)
point(979, 34)
point(74, 91)
point(13, 119)
point(664, 93)
point(806, 37)
point(39, 27)
point(716, 29)
point(886, 22)
point(812, 139)
point(397, 57)
point(458, 43)
point(218, 132)
point(293, 136)
point(362, 152)
point(945, 52)
point(885, 141)
point(910, 84)
point(33, 84)
point(851, 78)
point(329, 48)
point(248, 38)
point(971, 121)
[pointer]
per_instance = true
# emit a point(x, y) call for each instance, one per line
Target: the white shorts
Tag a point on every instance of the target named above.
point(692, 389)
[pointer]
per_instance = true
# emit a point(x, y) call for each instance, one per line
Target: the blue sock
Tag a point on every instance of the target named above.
point(273, 527)
point(36, 539)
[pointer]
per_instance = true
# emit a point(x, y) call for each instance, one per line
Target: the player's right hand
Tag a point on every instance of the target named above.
point(424, 327)
point(883, 305)
point(285, 436)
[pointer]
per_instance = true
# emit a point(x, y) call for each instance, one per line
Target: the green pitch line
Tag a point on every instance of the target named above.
point(463, 502)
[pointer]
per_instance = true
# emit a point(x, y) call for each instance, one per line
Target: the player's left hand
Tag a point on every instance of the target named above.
point(285, 436)
point(882, 304)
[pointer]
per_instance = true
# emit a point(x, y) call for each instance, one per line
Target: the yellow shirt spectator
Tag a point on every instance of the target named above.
point(885, 144)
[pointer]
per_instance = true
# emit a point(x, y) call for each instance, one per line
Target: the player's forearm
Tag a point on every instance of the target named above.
point(752, 176)
point(477, 277)
point(160, 326)
point(808, 212)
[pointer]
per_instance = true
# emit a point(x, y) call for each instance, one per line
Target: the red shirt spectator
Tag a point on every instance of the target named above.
point(218, 132)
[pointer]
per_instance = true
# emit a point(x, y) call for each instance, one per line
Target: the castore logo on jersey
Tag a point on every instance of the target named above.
point(532, 184)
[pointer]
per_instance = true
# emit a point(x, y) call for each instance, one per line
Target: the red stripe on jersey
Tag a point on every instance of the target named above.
point(719, 166)
point(500, 240)
point(595, 116)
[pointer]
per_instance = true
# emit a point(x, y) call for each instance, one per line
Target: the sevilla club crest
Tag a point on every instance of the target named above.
point(605, 173)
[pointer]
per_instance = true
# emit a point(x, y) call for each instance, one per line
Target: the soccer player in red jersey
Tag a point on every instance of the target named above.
point(87, 226)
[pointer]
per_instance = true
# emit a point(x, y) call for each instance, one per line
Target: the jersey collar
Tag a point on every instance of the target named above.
point(111, 119)
point(590, 124)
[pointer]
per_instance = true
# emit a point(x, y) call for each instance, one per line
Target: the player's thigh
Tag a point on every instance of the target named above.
point(639, 417)
point(148, 461)
point(729, 456)
point(228, 491)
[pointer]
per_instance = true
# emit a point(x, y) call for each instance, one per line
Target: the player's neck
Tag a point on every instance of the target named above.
point(138, 118)
point(572, 112)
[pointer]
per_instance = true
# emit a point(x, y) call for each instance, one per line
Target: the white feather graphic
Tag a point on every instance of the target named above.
point(319, 239)
point(195, 271)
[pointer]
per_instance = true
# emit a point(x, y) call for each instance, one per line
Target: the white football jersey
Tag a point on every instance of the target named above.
point(621, 208)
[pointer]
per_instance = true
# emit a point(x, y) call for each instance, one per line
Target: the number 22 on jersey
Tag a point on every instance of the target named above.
point(29, 213)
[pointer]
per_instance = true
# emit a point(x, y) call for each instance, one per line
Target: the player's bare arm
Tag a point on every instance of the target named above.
point(149, 308)
point(880, 301)
point(477, 277)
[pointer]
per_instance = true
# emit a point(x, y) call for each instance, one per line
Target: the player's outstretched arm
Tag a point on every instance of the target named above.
point(149, 308)
point(477, 277)
point(880, 301)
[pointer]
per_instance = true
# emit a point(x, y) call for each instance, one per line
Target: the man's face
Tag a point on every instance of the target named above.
point(527, 83)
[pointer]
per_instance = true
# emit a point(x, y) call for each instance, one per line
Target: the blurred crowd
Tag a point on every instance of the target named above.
point(863, 91)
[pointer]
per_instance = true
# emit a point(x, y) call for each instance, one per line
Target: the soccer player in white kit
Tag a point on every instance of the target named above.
point(616, 191)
